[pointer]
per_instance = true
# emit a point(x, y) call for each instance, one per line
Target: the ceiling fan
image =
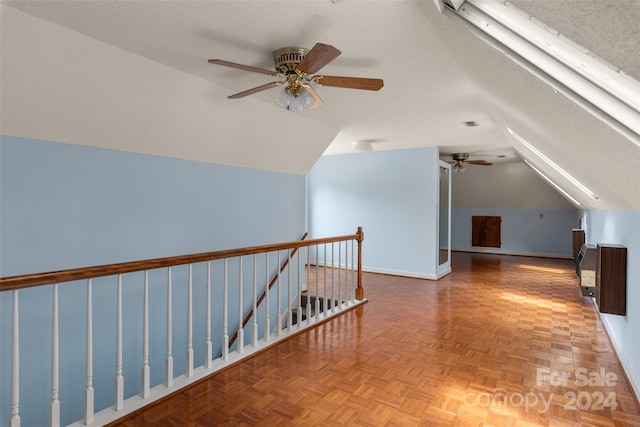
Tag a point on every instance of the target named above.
point(297, 67)
point(462, 159)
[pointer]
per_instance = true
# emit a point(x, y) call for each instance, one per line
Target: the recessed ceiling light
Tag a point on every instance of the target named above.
point(470, 123)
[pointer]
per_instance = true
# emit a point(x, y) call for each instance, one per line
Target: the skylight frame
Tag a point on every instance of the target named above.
point(553, 184)
point(557, 168)
point(589, 81)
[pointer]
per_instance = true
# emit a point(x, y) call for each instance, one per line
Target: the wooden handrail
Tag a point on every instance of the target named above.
point(38, 279)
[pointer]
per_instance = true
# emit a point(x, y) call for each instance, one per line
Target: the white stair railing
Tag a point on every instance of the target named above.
point(311, 292)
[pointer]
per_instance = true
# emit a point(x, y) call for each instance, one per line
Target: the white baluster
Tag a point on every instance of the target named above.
point(340, 274)
point(209, 351)
point(55, 366)
point(317, 285)
point(353, 266)
point(240, 337)
point(309, 284)
point(279, 296)
point(333, 268)
point(289, 311)
point(324, 268)
point(189, 368)
point(146, 370)
point(267, 321)
point(169, 360)
point(255, 302)
point(88, 412)
point(345, 277)
point(345, 301)
point(15, 364)
point(225, 323)
point(119, 382)
point(299, 295)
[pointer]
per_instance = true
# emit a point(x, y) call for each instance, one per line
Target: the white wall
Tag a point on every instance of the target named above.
point(536, 219)
point(621, 227)
point(393, 195)
point(512, 185)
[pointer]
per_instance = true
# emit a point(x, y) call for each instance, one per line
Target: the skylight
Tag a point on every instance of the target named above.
point(553, 184)
point(557, 168)
point(604, 91)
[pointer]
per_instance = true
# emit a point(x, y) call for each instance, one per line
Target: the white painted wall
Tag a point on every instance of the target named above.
point(511, 185)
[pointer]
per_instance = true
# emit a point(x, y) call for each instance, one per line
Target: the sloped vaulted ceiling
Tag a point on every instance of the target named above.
point(134, 76)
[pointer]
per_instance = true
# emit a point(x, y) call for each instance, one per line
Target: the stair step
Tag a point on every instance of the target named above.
point(304, 298)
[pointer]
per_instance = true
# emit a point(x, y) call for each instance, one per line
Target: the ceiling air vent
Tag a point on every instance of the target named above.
point(470, 123)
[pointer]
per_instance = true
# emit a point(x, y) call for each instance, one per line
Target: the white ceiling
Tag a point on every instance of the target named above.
point(133, 75)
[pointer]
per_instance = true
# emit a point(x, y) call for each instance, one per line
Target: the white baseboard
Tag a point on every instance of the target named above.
point(390, 272)
point(626, 367)
point(400, 273)
point(498, 251)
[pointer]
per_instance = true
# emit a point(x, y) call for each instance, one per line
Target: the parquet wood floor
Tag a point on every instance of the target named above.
point(502, 341)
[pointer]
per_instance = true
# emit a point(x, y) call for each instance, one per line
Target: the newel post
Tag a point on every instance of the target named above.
point(359, 289)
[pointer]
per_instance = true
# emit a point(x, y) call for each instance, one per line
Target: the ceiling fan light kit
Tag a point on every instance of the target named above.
point(296, 66)
point(295, 98)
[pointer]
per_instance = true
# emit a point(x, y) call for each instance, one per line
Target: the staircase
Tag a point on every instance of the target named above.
point(179, 314)
point(312, 305)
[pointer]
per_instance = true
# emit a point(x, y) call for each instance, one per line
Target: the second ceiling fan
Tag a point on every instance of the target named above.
point(297, 67)
point(462, 159)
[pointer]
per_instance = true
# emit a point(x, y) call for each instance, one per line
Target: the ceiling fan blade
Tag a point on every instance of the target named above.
point(479, 162)
point(319, 56)
point(349, 82)
point(243, 67)
point(318, 101)
point(254, 90)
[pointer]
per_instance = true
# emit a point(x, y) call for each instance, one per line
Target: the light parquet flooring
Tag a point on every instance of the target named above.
point(502, 341)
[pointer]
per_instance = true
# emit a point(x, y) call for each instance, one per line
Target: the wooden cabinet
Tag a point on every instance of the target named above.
point(485, 231)
point(611, 279)
point(578, 241)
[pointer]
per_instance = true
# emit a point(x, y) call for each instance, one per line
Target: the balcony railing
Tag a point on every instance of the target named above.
point(152, 316)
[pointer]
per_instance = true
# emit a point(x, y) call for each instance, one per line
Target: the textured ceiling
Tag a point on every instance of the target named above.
point(134, 76)
point(609, 29)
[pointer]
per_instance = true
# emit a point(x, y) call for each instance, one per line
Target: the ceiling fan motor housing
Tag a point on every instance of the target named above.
point(286, 59)
point(460, 157)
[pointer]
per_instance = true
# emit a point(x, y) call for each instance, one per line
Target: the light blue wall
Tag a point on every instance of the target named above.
point(621, 227)
point(392, 194)
point(513, 191)
point(65, 206)
point(523, 231)
point(69, 206)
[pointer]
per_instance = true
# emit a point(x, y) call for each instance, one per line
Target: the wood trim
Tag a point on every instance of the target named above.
point(359, 289)
point(37, 279)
